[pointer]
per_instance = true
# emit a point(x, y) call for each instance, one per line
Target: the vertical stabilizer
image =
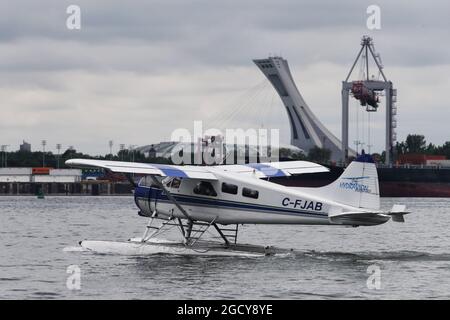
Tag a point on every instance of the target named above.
point(357, 186)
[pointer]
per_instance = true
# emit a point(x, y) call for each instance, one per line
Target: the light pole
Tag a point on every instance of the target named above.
point(44, 142)
point(122, 147)
point(131, 148)
point(357, 144)
point(58, 147)
point(110, 143)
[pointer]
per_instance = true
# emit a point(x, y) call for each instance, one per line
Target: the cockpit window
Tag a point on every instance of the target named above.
point(205, 188)
point(172, 182)
point(167, 181)
point(146, 181)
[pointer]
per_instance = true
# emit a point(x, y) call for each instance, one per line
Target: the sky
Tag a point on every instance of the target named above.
point(137, 70)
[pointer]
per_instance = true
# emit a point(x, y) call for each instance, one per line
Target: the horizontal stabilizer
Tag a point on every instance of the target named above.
point(397, 212)
point(349, 214)
point(359, 218)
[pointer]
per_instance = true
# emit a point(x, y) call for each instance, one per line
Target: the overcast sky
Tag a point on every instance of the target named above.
point(137, 70)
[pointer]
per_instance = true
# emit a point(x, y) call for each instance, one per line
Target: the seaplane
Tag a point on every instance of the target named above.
point(194, 199)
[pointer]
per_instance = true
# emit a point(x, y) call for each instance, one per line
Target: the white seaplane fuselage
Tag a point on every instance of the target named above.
point(245, 199)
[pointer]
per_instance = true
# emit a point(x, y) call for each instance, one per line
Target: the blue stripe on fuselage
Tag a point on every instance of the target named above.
point(144, 192)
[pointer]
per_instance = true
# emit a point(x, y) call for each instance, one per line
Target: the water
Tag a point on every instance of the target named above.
point(413, 258)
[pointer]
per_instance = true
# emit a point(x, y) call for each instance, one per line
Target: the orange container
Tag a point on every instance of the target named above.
point(41, 170)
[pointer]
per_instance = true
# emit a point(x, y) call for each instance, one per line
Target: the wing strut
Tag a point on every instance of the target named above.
point(171, 198)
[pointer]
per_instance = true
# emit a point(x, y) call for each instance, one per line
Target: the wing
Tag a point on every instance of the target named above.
point(260, 170)
point(193, 172)
point(274, 169)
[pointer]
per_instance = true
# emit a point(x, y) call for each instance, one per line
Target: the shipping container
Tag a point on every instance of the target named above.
point(15, 171)
point(41, 170)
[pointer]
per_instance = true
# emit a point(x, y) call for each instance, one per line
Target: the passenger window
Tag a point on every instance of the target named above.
point(247, 192)
point(172, 182)
point(229, 188)
point(205, 188)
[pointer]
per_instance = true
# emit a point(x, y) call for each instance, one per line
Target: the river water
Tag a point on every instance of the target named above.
point(393, 261)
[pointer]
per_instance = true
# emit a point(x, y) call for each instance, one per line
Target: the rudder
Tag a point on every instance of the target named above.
point(357, 186)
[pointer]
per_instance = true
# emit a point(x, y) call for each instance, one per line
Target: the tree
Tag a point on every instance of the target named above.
point(415, 143)
point(444, 149)
point(321, 155)
point(286, 153)
point(431, 149)
point(401, 147)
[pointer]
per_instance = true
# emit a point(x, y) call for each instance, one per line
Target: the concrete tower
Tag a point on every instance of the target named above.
point(306, 130)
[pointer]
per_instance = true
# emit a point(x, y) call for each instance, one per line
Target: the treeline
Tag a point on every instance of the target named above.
point(49, 159)
point(416, 143)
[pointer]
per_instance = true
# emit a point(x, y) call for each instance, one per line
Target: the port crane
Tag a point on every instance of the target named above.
point(368, 91)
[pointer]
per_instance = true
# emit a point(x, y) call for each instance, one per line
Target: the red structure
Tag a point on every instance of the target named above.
point(418, 159)
point(41, 170)
point(364, 95)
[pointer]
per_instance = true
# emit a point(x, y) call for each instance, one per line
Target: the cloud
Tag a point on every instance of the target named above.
point(137, 70)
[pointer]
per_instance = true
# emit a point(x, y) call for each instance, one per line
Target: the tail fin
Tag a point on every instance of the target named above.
point(357, 186)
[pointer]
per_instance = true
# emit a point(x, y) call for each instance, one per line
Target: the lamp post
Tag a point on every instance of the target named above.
point(131, 148)
point(58, 147)
point(122, 147)
point(44, 142)
point(357, 144)
point(110, 143)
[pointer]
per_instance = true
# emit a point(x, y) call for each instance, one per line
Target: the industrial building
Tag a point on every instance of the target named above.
point(40, 175)
point(30, 180)
point(48, 181)
point(25, 147)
